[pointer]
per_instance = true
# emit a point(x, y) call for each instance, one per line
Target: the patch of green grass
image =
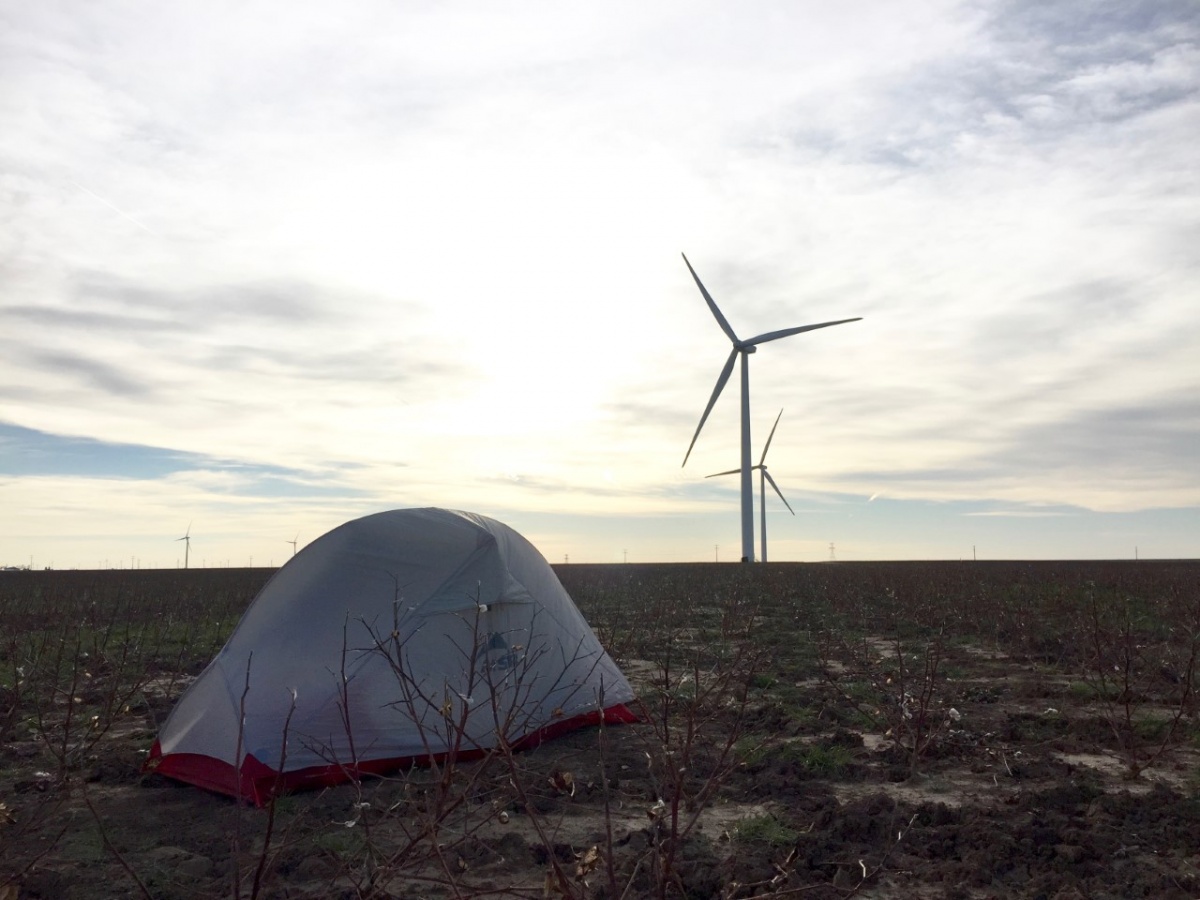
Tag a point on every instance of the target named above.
point(1192, 784)
point(753, 749)
point(765, 829)
point(347, 842)
point(801, 713)
point(858, 691)
point(1084, 692)
point(848, 716)
point(763, 682)
point(824, 761)
point(1153, 730)
point(818, 760)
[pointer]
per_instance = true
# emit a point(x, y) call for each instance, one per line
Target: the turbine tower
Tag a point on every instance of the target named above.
point(187, 547)
point(293, 542)
point(743, 348)
point(764, 477)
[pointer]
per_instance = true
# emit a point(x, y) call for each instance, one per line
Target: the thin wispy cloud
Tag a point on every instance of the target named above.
point(113, 207)
point(1019, 514)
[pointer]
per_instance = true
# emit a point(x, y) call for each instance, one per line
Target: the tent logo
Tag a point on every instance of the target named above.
point(497, 653)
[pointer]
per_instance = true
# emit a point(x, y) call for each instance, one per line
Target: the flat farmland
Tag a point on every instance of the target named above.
point(834, 730)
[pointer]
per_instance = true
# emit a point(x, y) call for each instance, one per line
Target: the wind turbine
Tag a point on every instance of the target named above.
point(187, 547)
point(764, 477)
point(293, 542)
point(743, 348)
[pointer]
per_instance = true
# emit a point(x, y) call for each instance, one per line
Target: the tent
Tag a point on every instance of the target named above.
point(395, 639)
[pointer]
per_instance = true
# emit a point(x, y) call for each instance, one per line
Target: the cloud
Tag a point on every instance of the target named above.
point(83, 321)
point(86, 370)
point(1039, 74)
point(438, 244)
point(1019, 514)
point(31, 452)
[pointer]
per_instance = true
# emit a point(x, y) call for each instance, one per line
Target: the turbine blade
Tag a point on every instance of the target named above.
point(779, 492)
point(735, 471)
point(721, 380)
point(786, 332)
point(763, 461)
point(712, 304)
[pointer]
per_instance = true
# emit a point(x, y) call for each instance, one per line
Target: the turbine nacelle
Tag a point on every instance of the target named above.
point(762, 469)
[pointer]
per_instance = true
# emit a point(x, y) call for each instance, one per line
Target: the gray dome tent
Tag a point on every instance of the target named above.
point(394, 638)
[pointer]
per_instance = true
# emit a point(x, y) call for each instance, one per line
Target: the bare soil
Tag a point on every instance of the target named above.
point(1026, 787)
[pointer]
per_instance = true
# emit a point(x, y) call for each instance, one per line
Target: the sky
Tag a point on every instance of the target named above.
point(267, 267)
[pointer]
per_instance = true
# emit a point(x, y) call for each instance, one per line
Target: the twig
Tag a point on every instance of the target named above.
point(108, 845)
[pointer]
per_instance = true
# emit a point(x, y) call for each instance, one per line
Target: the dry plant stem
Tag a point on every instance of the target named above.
point(1187, 683)
point(18, 874)
point(265, 853)
point(559, 875)
point(458, 729)
point(451, 785)
point(239, 799)
point(910, 697)
point(370, 851)
point(52, 663)
point(108, 845)
point(610, 870)
point(123, 672)
point(923, 732)
point(10, 714)
point(504, 723)
point(1114, 649)
point(452, 795)
point(269, 830)
point(677, 744)
point(412, 699)
point(869, 875)
point(1125, 652)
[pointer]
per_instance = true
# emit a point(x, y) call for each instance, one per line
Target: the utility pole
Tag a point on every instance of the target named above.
point(832, 554)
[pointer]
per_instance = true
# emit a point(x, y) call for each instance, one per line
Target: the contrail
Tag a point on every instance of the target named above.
point(113, 207)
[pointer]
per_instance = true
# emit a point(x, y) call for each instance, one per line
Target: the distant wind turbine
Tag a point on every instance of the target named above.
point(743, 348)
point(293, 542)
point(187, 547)
point(764, 477)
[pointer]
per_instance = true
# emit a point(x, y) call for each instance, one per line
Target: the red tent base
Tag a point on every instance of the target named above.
point(257, 782)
